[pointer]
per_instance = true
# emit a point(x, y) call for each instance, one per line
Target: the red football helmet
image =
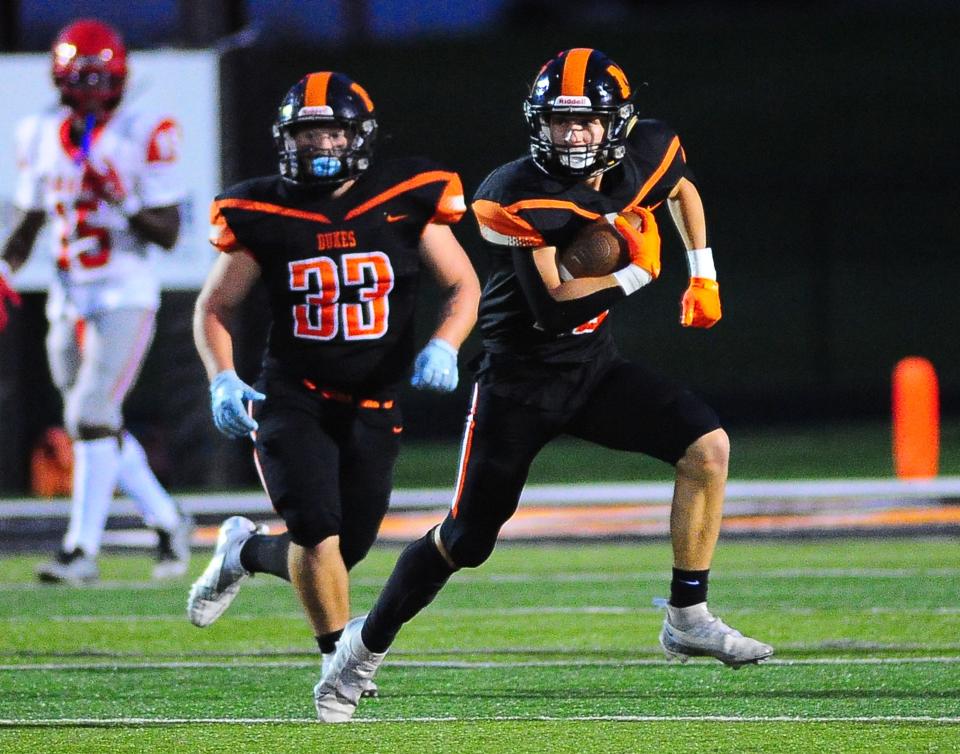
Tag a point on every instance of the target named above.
point(89, 66)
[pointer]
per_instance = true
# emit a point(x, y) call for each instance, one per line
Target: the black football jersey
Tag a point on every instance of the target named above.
point(342, 273)
point(518, 205)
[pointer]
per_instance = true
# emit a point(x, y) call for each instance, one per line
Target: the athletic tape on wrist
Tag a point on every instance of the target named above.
point(632, 278)
point(700, 263)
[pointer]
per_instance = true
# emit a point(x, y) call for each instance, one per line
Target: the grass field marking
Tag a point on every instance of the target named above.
point(562, 577)
point(454, 612)
point(465, 664)
point(161, 721)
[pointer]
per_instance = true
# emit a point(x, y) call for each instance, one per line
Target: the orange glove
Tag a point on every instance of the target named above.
point(700, 306)
point(643, 242)
point(7, 293)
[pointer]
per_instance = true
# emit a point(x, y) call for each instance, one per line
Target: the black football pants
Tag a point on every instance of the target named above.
point(327, 465)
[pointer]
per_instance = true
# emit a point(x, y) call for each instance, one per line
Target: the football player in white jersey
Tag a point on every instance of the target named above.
point(105, 175)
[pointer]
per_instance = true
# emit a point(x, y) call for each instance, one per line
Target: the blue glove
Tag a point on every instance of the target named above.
point(227, 395)
point(436, 367)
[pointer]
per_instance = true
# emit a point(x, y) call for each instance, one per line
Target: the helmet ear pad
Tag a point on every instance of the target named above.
point(340, 103)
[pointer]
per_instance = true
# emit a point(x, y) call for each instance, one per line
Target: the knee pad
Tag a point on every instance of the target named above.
point(86, 410)
point(353, 551)
point(307, 526)
point(467, 546)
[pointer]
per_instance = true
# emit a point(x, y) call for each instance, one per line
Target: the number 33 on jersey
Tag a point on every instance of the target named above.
point(340, 270)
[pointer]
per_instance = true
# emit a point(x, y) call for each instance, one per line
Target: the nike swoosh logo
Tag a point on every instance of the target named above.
point(396, 218)
point(689, 583)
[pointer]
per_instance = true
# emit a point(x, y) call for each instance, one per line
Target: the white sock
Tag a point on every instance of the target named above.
point(137, 480)
point(95, 467)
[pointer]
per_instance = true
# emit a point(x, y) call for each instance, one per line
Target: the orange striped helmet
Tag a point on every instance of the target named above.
point(579, 81)
point(325, 98)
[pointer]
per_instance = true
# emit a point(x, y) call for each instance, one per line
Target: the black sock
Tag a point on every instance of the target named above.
point(328, 642)
point(419, 574)
point(688, 587)
point(267, 553)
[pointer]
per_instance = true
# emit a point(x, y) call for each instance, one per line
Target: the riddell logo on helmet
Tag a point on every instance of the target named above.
point(566, 100)
point(309, 110)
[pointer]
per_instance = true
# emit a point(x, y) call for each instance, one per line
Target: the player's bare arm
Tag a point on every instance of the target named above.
point(545, 258)
point(26, 226)
point(159, 225)
point(686, 208)
point(451, 268)
point(226, 286)
point(700, 305)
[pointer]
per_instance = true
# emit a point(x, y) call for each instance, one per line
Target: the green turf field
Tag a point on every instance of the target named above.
point(550, 648)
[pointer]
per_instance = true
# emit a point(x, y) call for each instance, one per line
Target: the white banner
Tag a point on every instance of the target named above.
point(182, 84)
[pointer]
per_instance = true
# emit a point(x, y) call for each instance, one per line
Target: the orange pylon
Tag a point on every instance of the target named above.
point(916, 419)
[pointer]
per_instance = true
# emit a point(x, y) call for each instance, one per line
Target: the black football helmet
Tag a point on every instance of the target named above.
point(325, 98)
point(580, 81)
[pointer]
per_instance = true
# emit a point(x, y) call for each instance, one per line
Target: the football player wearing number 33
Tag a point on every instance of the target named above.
point(340, 240)
point(105, 173)
point(550, 365)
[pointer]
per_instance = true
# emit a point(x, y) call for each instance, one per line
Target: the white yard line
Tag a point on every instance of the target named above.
point(464, 664)
point(161, 721)
point(599, 577)
point(505, 611)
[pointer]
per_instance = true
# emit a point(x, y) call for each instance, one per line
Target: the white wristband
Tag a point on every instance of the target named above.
point(632, 278)
point(700, 263)
point(5, 270)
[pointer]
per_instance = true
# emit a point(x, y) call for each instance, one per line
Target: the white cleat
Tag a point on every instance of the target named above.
point(173, 551)
point(694, 632)
point(370, 691)
point(345, 681)
point(219, 583)
point(73, 568)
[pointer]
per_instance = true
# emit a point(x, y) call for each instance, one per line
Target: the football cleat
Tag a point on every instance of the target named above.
point(370, 691)
point(73, 568)
point(694, 632)
point(173, 550)
point(351, 671)
point(212, 593)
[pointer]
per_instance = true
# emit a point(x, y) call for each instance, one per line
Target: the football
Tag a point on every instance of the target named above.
point(598, 249)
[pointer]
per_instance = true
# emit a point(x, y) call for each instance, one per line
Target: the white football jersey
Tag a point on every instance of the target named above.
point(101, 264)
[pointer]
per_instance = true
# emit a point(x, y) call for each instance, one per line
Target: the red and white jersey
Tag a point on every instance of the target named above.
point(101, 264)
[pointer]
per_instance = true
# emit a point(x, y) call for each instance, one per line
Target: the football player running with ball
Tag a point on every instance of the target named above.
point(105, 173)
point(550, 365)
point(340, 240)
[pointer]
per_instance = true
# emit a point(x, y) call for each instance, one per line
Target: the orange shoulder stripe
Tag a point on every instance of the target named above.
point(270, 209)
point(431, 176)
point(498, 225)
point(658, 173)
point(452, 206)
point(553, 204)
point(221, 234)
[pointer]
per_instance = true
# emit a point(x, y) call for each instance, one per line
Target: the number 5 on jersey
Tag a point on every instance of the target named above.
point(321, 316)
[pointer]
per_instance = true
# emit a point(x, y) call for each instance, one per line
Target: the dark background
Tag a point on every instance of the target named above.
point(824, 139)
